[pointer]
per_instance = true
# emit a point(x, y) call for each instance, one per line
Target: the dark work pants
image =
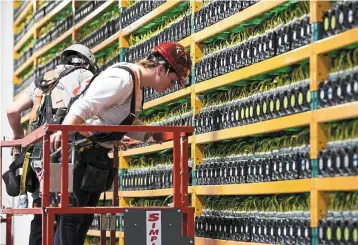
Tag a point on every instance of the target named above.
point(73, 228)
point(71, 223)
point(36, 226)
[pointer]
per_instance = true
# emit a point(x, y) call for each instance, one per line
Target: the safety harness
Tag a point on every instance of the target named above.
point(42, 112)
point(20, 177)
point(115, 136)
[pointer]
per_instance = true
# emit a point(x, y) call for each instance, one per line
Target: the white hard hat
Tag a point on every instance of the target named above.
point(80, 50)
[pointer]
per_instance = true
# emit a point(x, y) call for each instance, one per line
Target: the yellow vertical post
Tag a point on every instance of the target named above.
point(195, 6)
point(73, 34)
point(75, 4)
point(197, 153)
point(319, 68)
point(123, 41)
point(123, 3)
point(197, 203)
point(16, 55)
point(121, 240)
point(16, 80)
point(318, 138)
point(196, 103)
point(123, 202)
point(123, 161)
point(317, 9)
point(319, 205)
point(196, 52)
point(16, 4)
point(123, 164)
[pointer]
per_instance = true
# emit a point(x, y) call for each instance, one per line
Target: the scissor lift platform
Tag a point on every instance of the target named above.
point(151, 226)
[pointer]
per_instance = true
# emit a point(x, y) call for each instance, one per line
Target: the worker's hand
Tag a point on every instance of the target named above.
point(125, 139)
point(55, 141)
point(158, 137)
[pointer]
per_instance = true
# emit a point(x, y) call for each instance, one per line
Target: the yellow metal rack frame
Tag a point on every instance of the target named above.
point(314, 119)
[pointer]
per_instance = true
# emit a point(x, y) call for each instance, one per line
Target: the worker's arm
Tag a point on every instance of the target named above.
point(23, 103)
point(55, 139)
point(143, 136)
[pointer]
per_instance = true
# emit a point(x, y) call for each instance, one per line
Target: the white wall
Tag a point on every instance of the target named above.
point(22, 223)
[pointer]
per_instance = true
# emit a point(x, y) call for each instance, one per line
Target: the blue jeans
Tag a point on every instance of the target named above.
point(72, 228)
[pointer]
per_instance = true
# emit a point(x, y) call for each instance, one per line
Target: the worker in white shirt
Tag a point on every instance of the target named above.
point(113, 98)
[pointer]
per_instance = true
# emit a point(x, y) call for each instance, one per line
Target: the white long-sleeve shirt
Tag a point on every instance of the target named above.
point(107, 100)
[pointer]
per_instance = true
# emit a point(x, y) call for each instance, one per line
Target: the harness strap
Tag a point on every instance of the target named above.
point(39, 116)
point(115, 136)
point(25, 168)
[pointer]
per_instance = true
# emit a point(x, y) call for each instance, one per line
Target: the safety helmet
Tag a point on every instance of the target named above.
point(81, 52)
point(176, 56)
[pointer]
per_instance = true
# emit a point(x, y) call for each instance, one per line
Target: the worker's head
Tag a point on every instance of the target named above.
point(170, 63)
point(79, 55)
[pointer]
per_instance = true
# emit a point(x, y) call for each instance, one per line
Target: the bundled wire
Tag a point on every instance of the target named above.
point(256, 145)
point(27, 73)
point(257, 27)
point(150, 161)
point(54, 52)
point(108, 54)
point(272, 203)
point(343, 201)
point(136, 38)
point(150, 202)
point(339, 131)
point(98, 23)
point(26, 46)
point(299, 73)
point(95, 240)
point(19, 28)
point(64, 14)
point(344, 60)
point(132, 2)
point(166, 115)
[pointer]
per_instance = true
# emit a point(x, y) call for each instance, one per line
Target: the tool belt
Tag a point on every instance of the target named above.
point(99, 170)
point(21, 177)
